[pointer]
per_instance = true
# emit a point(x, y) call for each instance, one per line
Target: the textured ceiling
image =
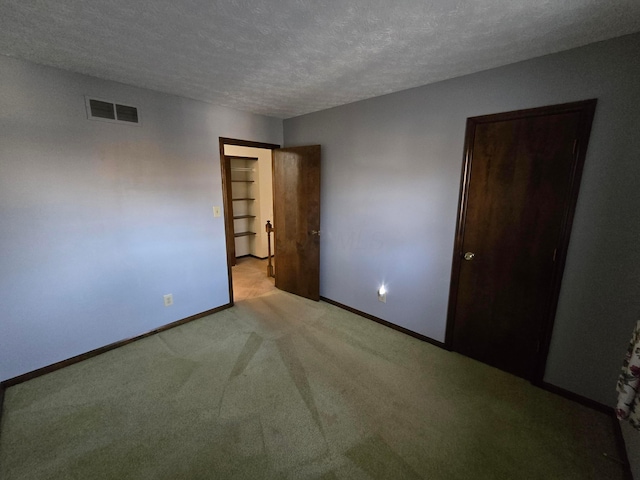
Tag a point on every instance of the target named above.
point(289, 57)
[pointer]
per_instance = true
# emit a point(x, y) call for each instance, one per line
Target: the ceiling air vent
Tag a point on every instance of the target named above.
point(111, 112)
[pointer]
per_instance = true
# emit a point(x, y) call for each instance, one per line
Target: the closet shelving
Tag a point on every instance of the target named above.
point(243, 197)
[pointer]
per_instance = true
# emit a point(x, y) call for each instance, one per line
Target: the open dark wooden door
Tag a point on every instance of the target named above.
point(519, 188)
point(296, 216)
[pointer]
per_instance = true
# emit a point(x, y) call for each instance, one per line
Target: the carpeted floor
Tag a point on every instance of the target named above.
point(279, 387)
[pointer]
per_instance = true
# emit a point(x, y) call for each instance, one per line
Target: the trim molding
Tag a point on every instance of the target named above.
point(622, 446)
point(248, 143)
point(93, 353)
point(386, 323)
point(252, 256)
point(2, 389)
point(587, 402)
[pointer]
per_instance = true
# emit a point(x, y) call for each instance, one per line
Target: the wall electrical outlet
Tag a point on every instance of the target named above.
point(216, 211)
point(168, 299)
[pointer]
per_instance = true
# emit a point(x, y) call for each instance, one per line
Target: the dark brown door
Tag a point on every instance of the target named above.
point(520, 184)
point(296, 216)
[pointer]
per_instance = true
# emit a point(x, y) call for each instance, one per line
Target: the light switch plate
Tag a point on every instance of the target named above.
point(216, 211)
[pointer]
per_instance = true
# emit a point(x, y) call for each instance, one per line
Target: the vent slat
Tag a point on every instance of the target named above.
point(102, 109)
point(127, 114)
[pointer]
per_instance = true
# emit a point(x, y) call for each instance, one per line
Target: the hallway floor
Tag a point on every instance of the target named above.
point(250, 278)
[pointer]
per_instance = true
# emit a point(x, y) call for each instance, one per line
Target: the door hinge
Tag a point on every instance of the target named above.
point(555, 251)
point(575, 146)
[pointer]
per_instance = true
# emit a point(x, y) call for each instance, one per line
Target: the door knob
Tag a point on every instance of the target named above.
point(469, 256)
point(315, 232)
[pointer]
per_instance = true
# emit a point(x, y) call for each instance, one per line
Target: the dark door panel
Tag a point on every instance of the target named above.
point(296, 183)
point(519, 190)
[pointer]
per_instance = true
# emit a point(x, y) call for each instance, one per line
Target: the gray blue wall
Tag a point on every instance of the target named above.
point(390, 183)
point(99, 220)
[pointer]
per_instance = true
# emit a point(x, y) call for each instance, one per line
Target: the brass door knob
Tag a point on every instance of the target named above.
point(469, 256)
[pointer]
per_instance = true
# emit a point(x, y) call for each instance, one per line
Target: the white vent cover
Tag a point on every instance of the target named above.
point(107, 111)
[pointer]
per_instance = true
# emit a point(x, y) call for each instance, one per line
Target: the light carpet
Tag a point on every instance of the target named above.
point(279, 387)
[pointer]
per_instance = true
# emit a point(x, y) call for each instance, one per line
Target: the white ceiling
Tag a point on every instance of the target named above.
point(284, 58)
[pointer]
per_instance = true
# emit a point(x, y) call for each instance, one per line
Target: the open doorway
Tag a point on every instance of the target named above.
point(248, 204)
point(295, 205)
